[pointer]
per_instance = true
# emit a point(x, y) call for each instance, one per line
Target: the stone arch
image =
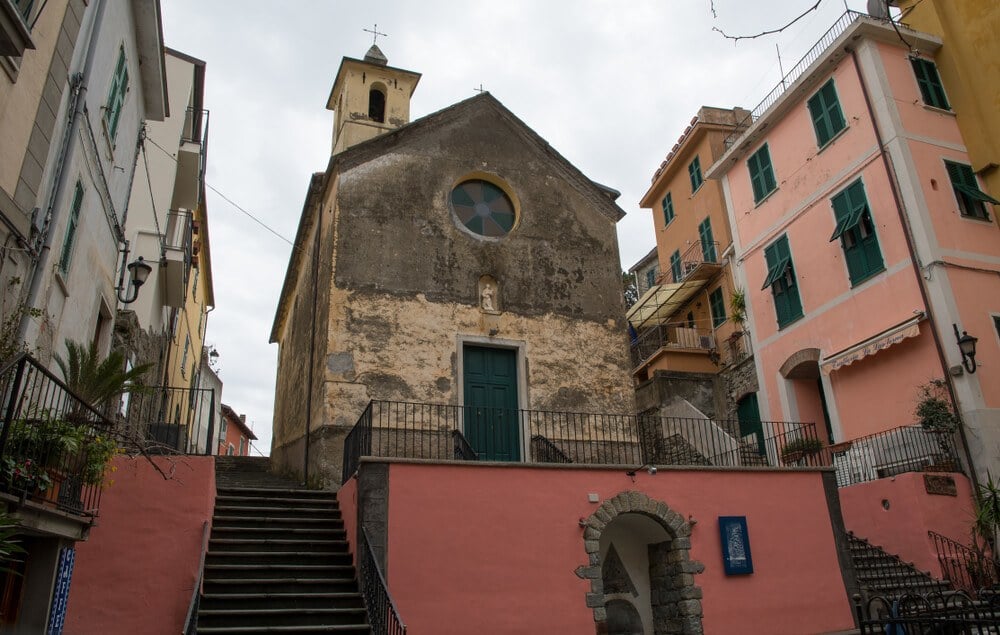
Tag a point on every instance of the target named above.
point(681, 611)
point(802, 365)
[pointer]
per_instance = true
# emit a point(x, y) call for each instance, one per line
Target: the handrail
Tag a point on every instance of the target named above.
point(383, 616)
point(967, 569)
point(191, 620)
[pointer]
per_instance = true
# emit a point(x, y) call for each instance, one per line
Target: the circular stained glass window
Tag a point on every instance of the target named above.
point(483, 208)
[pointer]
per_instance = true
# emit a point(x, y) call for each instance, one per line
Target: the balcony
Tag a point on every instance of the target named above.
point(442, 432)
point(177, 258)
point(676, 286)
point(191, 160)
point(688, 349)
point(55, 448)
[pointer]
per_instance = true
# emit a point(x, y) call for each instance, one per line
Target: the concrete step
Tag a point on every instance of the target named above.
point(272, 509)
point(238, 545)
point(288, 558)
point(286, 630)
point(270, 585)
point(283, 617)
point(303, 599)
point(288, 522)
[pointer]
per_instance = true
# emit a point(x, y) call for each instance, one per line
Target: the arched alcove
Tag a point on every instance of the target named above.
point(675, 600)
point(376, 103)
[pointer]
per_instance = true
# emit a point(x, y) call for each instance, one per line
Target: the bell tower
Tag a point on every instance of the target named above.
point(369, 98)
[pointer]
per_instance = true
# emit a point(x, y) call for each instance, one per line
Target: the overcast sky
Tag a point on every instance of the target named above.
point(609, 84)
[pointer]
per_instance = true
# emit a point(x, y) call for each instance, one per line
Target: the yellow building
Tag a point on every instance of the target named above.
point(690, 355)
point(970, 73)
point(684, 322)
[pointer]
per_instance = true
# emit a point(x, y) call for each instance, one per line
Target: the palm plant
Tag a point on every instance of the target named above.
point(98, 381)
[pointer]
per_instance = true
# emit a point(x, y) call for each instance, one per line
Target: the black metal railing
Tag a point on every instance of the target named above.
point(171, 420)
point(913, 614)
point(838, 27)
point(666, 336)
point(967, 569)
point(698, 254)
point(468, 433)
point(383, 616)
point(892, 452)
point(54, 447)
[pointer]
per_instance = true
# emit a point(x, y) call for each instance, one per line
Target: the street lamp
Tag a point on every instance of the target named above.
point(139, 271)
point(967, 345)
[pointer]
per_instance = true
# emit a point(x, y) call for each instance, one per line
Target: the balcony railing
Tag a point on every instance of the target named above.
point(468, 433)
point(54, 447)
point(171, 420)
point(841, 25)
point(693, 257)
point(679, 335)
point(889, 453)
point(968, 570)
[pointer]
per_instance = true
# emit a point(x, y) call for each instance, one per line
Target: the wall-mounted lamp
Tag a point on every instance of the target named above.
point(967, 344)
point(651, 469)
point(139, 271)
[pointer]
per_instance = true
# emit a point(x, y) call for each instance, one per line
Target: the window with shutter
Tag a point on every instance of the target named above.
point(694, 171)
point(931, 89)
point(856, 231)
point(717, 304)
point(781, 279)
point(971, 200)
point(827, 117)
point(675, 265)
point(707, 240)
point(668, 209)
point(116, 95)
point(761, 174)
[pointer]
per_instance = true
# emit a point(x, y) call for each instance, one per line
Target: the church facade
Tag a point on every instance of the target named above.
point(456, 260)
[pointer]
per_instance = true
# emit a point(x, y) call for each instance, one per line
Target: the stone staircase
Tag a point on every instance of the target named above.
point(278, 559)
point(882, 573)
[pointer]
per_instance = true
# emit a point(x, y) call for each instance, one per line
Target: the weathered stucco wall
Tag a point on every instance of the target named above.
point(402, 277)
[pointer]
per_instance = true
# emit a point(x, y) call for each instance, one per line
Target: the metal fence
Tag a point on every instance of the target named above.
point(54, 447)
point(383, 616)
point(796, 71)
point(698, 254)
point(678, 335)
point(468, 433)
point(171, 419)
point(912, 614)
point(892, 452)
point(967, 569)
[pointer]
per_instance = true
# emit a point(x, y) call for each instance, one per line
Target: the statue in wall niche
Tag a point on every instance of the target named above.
point(488, 290)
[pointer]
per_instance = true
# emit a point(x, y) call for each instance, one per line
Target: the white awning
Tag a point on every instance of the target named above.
point(872, 345)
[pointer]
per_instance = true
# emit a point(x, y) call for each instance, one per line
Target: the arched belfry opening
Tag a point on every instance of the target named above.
point(641, 574)
point(376, 103)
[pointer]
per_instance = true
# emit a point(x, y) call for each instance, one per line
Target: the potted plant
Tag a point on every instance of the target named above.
point(795, 449)
point(738, 309)
point(935, 414)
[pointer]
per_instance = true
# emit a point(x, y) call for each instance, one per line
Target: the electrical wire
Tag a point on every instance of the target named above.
point(227, 199)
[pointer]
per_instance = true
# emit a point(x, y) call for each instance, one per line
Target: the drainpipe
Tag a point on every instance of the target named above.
point(312, 340)
point(74, 111)
point(908, 234)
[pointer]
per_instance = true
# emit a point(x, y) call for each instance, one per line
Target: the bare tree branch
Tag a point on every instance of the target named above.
point(737, 38)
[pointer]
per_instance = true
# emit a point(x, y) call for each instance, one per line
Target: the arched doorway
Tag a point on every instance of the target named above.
point(640, 566)
point(805, 388)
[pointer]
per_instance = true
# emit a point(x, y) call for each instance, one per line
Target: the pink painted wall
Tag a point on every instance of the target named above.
point(493, 549)
point(347, 496)
point(877, 393)
point(139, 567)
point(902, 529)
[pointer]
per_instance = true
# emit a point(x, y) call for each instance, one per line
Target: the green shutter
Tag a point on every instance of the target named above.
point(931, 89)
point(71, 227)
point(675, 265)
point(668, 209)
point(761, 174)
point(856, 231)
point(970, 197)
point(694, 171)
point(718, 307)
point(781, 279)
point(116, 94)
point(707, 240)
point(827, 117)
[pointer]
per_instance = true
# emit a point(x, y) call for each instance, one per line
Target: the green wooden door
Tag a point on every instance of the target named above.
point(491, 417)
point(749, 415)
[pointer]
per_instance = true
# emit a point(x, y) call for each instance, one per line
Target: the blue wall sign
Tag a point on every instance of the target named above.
point(736, 557)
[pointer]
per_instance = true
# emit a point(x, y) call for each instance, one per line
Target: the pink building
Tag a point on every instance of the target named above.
point(234, 435)
point(862, 236)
